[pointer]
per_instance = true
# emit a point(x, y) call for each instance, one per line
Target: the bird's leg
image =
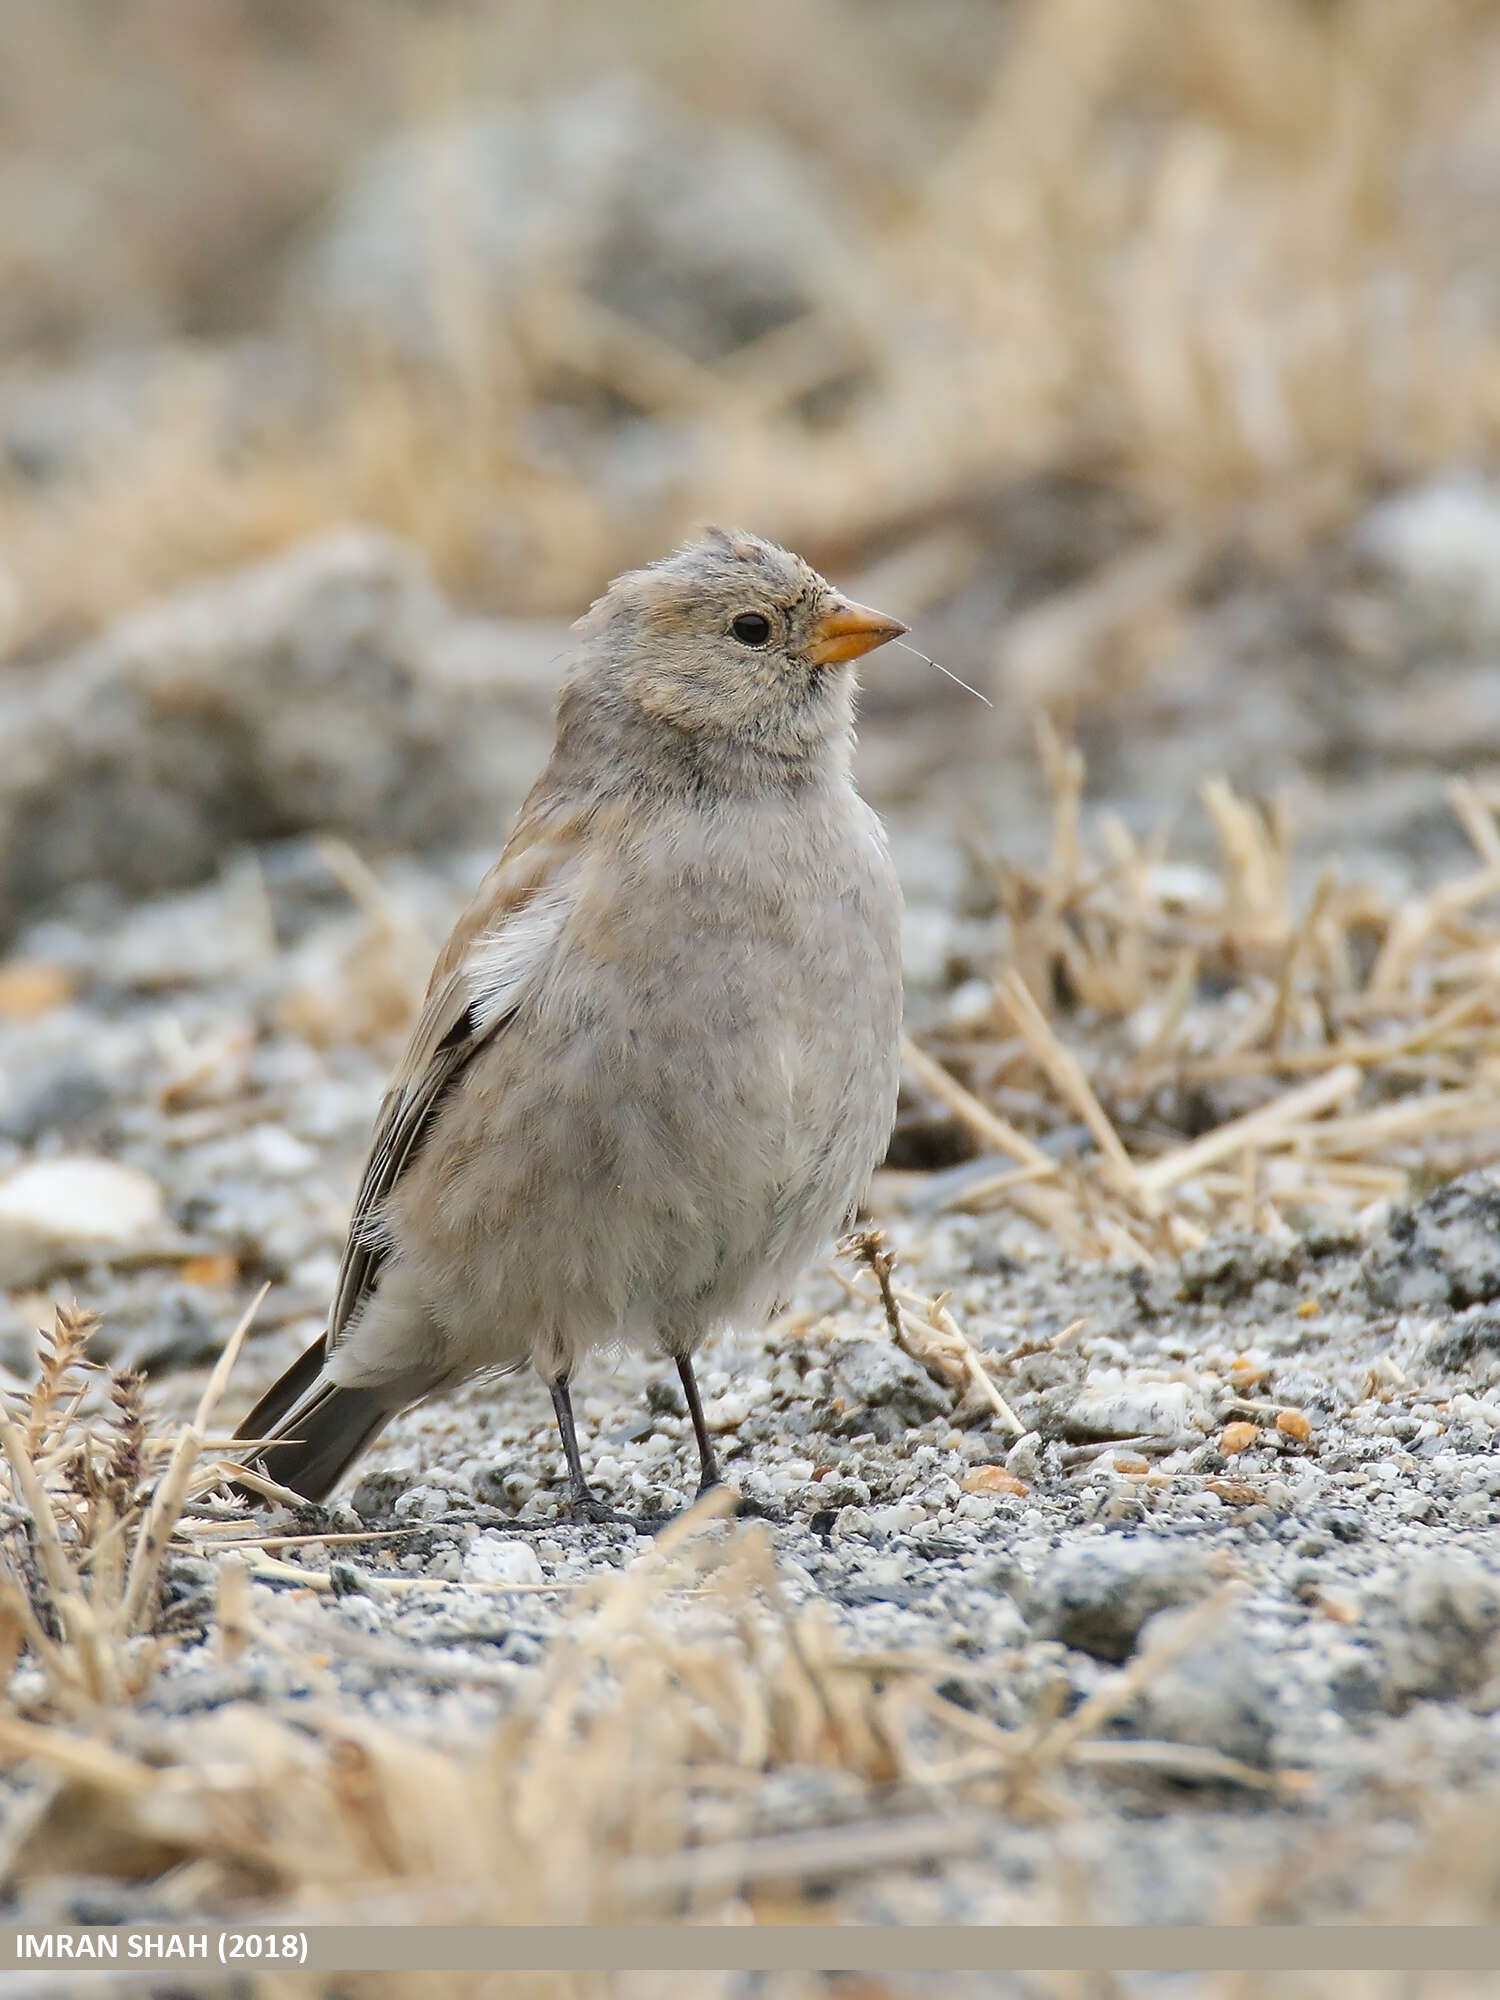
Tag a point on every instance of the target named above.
point(708, 1465)
point(585, 1502)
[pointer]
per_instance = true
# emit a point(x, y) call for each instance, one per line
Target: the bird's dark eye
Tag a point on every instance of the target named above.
point(751, 628)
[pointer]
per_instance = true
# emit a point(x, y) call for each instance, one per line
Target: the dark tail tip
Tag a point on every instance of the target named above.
point(322, 1442)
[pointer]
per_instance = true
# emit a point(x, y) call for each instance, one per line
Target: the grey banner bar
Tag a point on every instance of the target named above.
point(141, 1950)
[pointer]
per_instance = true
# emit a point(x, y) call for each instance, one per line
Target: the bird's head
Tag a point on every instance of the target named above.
point(731, 641)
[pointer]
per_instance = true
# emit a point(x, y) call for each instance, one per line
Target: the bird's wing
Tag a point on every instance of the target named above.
point(498, 948)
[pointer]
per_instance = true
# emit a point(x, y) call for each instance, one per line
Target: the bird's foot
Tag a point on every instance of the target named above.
point(757, 1510)
point(740, 1507)
point(588, 1506)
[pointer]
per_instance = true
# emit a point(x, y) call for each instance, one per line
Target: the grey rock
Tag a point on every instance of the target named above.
point(1212, 1695)
point(1435, 1631)
point(508, 1487)
point(1474, 1338)
point(51, 424)
point(184, 1335)
point(67, 1100)
point(1116, 1404)
point(1305, 1389)
point(803, 1796)
point(1097, 1595)
point(1233, 1264)
point(330, 689)
point(101, 408)
point(1443, 1251)
point(374, 1498)
point(704, 237)
point(1024, 1459)
point(215, 1685)
point(874, 1375)
point(1337, 1524)
point(903, 1595)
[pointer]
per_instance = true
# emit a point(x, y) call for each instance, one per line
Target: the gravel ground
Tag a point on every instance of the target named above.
point(1315, 1419)
point(1247, 1522)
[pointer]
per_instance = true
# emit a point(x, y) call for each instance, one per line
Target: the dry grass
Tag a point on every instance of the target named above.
point(928, 1332)
point(1203, 1047)
point(1236, 259)
point(623, 1782)
point(91, 1504)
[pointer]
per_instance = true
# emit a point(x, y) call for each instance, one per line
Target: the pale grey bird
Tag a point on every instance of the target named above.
point(658, 1057)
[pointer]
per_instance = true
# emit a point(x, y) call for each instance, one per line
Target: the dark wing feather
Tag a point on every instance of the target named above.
point(507, 932)
point(494, 952)
point(404, 1116)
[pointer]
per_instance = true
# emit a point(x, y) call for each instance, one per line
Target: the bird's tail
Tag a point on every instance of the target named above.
point(312, 1430)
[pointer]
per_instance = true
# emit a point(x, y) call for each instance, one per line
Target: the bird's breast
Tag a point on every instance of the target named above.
point(749, 956)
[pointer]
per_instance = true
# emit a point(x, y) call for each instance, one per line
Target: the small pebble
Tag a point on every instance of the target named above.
point(994, 1479)
point(1236, 1438)
point(493, 1558)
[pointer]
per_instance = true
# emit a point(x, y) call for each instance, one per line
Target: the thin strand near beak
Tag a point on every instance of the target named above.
point(946, 672)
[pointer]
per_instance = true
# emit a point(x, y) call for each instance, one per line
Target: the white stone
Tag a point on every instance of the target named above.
point(495, 1558)
point(1117, 1405)
point(77, 1203)
point(1471, 1410)
point(926, 942)
point(971, 1003)
point(1443, 539)
point(726, 1413)
point(279, 1153)
point(1024, 1459)
point(885, 1570)
point(317, 1273)
point(893, 1520)
point(1183, 884)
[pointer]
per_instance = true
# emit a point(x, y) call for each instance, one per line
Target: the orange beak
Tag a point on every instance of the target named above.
point(849, 630)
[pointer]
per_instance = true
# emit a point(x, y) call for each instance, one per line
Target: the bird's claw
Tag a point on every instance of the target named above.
point(598, 1513)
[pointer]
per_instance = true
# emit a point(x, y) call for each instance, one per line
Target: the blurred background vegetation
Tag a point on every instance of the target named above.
point(539, 287)
point(1145, 356)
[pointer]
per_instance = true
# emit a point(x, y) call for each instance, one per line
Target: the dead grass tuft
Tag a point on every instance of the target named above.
point(928, 1332)
point(625, 1780)
point(91, 1501)
point(1178, 1048)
